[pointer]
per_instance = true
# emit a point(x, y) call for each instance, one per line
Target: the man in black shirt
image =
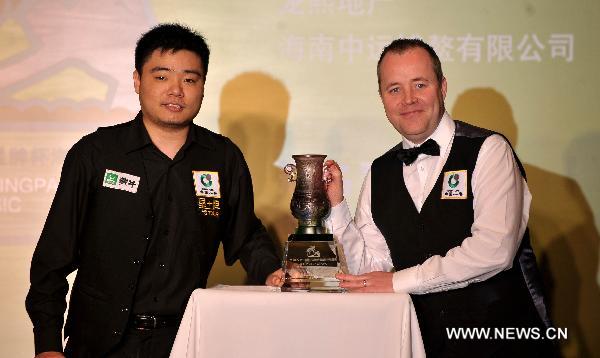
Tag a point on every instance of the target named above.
point(140, 211)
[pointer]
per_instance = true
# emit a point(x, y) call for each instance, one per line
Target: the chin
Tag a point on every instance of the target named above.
point(176, 122)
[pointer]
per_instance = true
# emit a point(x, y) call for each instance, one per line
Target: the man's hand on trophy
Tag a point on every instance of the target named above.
point(335, 185)
point(377, 281)
point(276, 278)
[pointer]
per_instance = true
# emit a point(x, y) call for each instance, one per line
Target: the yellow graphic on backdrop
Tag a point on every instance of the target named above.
point(71, 83)
point(12, 33)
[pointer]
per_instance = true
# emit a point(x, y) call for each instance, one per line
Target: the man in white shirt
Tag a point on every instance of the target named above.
point(442, 216)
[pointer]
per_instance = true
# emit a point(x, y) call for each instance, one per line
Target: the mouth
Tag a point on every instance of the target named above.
point(174, 107)
point(410, 113)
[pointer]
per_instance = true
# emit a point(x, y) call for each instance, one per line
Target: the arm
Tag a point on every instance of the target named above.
point(501, 211)
point(246, 238)
point(501, 207)
point(364, 245)
point(55, 254)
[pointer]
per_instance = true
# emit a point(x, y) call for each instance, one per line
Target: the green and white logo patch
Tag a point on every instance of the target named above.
point(120, 181)
point(206, 184)
point(455, 185)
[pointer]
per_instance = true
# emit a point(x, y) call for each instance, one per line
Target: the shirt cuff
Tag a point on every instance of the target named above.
point(47, 340)
point(406, 281)
point(340, 216)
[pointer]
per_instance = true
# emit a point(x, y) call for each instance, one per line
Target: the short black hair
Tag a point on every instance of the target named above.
point(399, 46)
point(170, 37)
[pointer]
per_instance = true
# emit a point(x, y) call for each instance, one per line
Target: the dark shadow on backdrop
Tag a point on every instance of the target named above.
point(562, 228)
point(253, 113)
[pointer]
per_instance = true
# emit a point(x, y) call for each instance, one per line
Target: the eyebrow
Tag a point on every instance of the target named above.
point(158, 69)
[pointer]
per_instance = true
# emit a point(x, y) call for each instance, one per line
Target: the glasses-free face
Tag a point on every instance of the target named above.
point(412, 97)
point(170, 88)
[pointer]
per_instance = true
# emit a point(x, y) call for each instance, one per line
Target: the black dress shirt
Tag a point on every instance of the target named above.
point(142, 230)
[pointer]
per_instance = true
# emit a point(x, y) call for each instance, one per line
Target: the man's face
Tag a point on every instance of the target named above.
point(411, 95)
point(170, 87)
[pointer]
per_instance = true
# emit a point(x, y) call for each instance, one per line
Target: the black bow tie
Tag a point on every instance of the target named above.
point(408, 156)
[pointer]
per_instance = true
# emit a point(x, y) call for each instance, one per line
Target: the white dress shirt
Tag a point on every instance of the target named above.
point(501, 211)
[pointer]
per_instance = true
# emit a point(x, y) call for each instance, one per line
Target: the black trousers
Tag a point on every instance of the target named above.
point(155, 343)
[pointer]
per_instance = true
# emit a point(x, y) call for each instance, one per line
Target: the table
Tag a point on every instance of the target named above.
point(258, 321)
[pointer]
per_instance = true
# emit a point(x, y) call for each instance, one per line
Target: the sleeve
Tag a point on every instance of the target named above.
point(501, 211)
point(364, 245)
point(55, 254)
point(246, 238)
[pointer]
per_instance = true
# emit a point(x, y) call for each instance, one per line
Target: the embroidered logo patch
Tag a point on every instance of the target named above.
point(206, 184)
point(208, 192)
point(455, 185)
point(120, 181)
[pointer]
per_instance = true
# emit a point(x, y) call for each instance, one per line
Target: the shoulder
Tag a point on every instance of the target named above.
point(220, 144)
point(211, 139)
point(109, 136)
point(389, 155)
point(464, 129)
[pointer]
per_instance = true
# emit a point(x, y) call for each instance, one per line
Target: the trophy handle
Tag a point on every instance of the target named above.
point(290, 169)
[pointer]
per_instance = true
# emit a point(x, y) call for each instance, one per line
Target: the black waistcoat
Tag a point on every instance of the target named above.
point(508, 299)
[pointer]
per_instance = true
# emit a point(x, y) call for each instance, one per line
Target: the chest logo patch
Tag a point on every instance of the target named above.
point(120, 181)
point(455, 185)
point(208, 192)
point(206, 184)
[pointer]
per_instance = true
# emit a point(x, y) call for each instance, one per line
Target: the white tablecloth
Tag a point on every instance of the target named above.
point(247, 321)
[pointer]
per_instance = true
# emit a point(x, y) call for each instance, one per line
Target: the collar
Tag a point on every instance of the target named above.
point(137, 136)
point(442, 135)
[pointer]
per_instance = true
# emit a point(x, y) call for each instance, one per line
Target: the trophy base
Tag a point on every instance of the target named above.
point(330, 285)
point(311, 262)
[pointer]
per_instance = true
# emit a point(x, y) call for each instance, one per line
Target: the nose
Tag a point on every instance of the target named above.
point(176, 89)
point(409, 96)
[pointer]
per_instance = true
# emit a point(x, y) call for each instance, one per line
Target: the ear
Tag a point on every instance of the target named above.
point(444, 87)
point(136, 81)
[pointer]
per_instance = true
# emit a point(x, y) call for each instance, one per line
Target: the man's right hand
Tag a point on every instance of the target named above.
point(50, 355)
point(335, 185)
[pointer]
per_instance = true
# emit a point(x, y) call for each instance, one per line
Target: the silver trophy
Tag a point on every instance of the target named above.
point(311, 255)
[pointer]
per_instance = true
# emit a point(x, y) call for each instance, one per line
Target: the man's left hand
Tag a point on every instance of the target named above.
point(377, 281)
point(275, 279)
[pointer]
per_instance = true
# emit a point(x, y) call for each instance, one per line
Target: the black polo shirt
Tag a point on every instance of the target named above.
point(142, 230)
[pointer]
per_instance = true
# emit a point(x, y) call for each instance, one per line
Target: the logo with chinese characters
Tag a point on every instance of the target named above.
point(120, 181)
point(208, 192)
point(455, 185)
point(206, 184)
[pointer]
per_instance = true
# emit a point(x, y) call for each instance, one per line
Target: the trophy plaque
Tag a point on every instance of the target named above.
point(311, 256)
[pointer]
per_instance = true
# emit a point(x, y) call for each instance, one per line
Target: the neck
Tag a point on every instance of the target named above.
point(167, 139)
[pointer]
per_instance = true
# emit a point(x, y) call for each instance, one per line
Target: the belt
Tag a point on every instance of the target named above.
point(147, 321)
